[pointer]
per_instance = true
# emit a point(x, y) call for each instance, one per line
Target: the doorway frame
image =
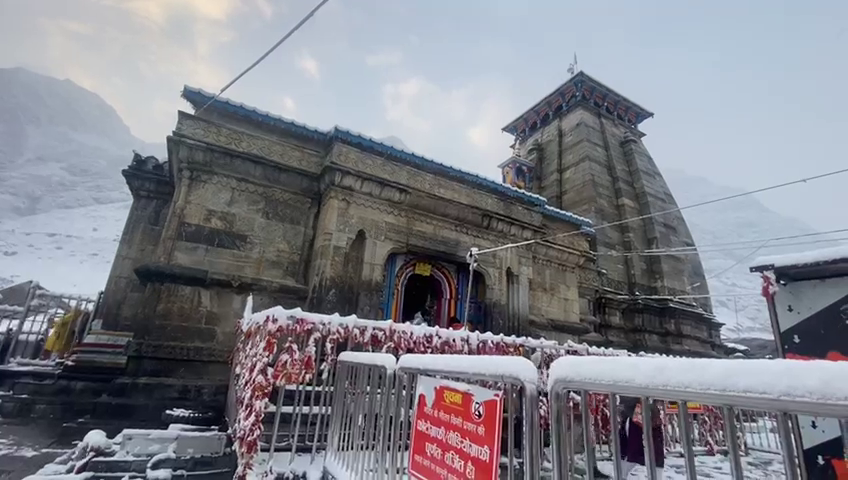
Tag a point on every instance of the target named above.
point(448, 304)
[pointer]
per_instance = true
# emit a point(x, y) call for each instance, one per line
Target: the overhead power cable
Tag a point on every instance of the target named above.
point(664, 212)
point(679, 297)
point(701, 247)
point(700, 251)
point(749, 255)
point(265, 55)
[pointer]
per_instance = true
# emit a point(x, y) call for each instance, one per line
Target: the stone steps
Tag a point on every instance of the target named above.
point(69, 397)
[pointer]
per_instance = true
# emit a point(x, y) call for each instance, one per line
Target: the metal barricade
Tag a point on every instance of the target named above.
point(759, 429)
point(26, 328)
point(359, 430)
point(516, 376)
point(734, 386)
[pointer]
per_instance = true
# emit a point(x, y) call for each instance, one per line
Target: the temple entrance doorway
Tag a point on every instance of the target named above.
point(422, 293)
point(421, 284)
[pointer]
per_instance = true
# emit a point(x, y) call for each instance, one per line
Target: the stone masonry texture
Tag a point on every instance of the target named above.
point(245, 207)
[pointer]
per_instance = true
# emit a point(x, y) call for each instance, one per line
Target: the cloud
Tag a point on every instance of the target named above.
point(384, 58)
point(287, 106)
point(136, 54)
point(308, 65)
point(416, 103)
point(458, 124)
point(490, 116)
point(160, 12)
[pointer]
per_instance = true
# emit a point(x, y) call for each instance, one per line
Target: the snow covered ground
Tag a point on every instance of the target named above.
point(755, 466)
point(66, 250)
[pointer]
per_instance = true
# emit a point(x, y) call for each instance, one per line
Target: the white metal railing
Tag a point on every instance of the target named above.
point(305, 352)
point(357, 445)
point(374, 403)
point(780, 387)
point(517, 377)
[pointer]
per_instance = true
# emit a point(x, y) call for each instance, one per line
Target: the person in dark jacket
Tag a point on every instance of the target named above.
point(630, 435)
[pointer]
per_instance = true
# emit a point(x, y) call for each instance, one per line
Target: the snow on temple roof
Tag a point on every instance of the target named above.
point(813, 257)
point(198, 98)
point(812, 380)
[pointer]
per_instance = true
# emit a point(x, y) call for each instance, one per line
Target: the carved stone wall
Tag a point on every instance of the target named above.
point(247, 208)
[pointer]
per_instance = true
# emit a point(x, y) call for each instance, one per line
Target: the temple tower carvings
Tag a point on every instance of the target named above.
point(581, 148)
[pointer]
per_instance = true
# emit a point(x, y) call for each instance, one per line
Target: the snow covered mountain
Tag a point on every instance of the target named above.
point(726, 266)
point(61, 146)
point(67, 250)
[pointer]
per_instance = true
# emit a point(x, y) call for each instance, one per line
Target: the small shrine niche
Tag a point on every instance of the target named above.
point(517, 172)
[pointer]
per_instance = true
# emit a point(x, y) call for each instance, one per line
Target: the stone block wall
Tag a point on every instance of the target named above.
point(597, 167)
point(245, 208)
point(590, 163)
point(125, 295)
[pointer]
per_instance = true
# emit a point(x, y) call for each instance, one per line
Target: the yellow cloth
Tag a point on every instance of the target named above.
point(61, 336)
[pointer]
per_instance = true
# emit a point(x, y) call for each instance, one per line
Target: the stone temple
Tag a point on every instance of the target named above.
point(335, 221)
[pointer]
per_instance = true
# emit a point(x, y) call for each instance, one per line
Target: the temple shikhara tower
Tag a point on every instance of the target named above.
point(580, 147)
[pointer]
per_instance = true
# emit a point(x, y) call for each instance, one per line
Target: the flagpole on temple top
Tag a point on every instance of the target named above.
point(572, 67)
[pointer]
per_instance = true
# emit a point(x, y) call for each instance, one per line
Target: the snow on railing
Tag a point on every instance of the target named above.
point(280, 348)
point(807, 384)
point(358, 439)
point(280, 314)
point(780, 387)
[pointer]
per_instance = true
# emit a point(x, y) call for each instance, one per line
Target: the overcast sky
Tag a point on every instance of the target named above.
point(747, 93)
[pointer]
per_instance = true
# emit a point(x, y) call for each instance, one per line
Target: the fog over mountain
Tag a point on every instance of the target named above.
point(746, 223)
point(63, 201)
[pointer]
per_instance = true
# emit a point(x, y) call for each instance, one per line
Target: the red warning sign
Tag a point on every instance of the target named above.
point(456, 431)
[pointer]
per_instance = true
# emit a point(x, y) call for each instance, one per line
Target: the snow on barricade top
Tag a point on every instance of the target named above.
point(65, 295)
point(803, 258)
point(386, 360)
point(489, 365)
point(280, 314)
point(168, 434)
point(813, 380)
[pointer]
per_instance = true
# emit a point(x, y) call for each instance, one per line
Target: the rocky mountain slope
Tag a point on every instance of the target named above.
point(61, 146)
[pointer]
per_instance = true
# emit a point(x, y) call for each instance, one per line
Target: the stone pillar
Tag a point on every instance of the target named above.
point(152, 189)
point(326, 285)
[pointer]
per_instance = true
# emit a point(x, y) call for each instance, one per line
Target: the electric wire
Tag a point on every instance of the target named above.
point(699, 251)
point(265, 55)
point(664, 212)
point(705, 247)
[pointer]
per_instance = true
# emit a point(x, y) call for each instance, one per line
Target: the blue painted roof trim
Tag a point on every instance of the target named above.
point(197, 98)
